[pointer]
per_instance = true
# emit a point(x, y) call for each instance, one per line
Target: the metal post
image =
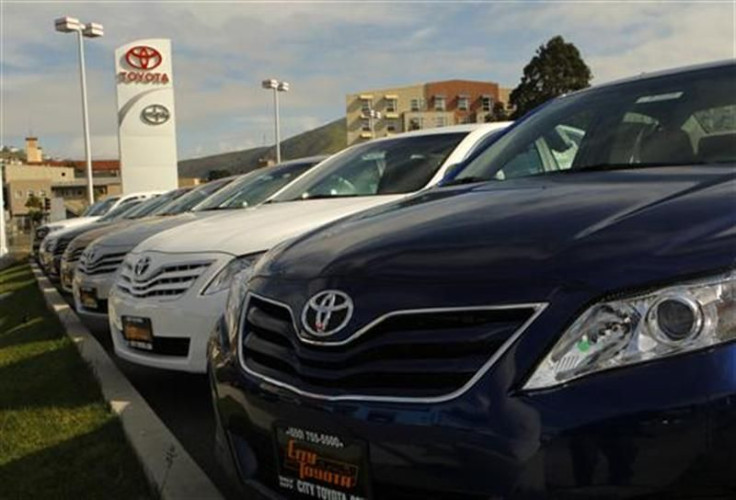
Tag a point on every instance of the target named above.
point(85, 118)
point(3, 240)
point(276, 121)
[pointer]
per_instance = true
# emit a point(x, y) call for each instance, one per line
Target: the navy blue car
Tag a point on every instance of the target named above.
point(557, 322)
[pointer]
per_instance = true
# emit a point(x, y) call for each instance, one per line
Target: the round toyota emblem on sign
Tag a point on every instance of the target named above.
point(155, 114)
point(143, 57)
point(142, 266)
point(327, 312)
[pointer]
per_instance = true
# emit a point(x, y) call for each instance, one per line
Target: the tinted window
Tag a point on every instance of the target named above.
point(401, 165)
point(192, 198)
point(254, 188)
point(679, 119)
point(101, 207)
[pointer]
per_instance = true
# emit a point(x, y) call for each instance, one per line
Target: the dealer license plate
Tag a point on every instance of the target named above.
point(88, 297)
point(138, 332)
point(320, 465)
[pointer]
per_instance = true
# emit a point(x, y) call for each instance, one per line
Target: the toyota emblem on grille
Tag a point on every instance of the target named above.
point(143, 57)
point(142, 266)
point(155, 114)
point(91, 256)
point(327, 312)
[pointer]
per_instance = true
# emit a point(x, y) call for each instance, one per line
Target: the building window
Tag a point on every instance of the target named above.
point(391, 105)
point(439, 103)
point(463, 103)
point(415, 124)
point(366, 106)
point(440, 121)
point(391, 125)
point(417, 104)
point(486, 103)
point(365, 125)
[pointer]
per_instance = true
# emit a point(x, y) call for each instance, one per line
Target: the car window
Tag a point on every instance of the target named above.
point(192, 198)
point(684, 119)
point(394, 166)
point(122, 209)
point(102, 207)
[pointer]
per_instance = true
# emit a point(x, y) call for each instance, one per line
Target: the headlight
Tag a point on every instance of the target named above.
point(222, 279)
point(655, 325)
point(235, 297)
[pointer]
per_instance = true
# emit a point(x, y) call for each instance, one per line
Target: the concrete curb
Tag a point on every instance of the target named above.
point(173, 472)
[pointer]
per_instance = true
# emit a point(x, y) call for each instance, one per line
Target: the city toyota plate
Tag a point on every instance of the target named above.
point(320, 465)
point(138, 332)
point(88, 297)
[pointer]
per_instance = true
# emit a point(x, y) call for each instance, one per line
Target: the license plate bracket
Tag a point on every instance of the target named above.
point(138, 332)
point(88, 297)
point(314, 464)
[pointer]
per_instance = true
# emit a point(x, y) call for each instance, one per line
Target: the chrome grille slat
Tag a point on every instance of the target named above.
point(169, 281)
point(426, 354)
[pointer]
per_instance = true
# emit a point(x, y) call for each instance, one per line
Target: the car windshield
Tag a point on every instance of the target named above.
point(120, 211)
point(89, 211)
point(192, 198)
point(255, 187)
point(102, 207)
point(389, 166)
point(680, 119)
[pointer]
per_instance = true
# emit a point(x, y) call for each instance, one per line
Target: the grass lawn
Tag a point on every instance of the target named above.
point(58, 437)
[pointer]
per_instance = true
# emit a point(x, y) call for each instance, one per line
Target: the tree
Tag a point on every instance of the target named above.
point(557, 68)
point(498, 113)
point(34, 204)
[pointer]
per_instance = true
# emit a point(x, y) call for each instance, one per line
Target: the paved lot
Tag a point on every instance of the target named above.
point(181, 400)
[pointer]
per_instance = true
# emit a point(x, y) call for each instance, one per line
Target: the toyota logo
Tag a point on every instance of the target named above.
point(142, 266)
point(327, 312)
point(91, 256)
point(155, 114)
point(143, 57)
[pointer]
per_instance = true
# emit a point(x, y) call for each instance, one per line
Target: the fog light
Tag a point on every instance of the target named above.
point(676, 319)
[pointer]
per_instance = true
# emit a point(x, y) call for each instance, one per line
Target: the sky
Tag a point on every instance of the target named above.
point(324, 49)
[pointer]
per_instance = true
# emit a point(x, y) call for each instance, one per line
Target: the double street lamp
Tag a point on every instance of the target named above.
point(89, 30)
point(277, 86)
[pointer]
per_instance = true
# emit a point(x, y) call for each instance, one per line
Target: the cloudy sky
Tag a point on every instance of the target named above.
point(223, 49)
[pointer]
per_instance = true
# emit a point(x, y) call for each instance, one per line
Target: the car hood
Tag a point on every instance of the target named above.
point(92, 233)
point(141, 229)
point(69, 223)
point(523, 239)
point(259, 228)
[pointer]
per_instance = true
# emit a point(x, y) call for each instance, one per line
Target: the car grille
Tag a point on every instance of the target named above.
point(169, 281)
point(61, 245)
point(417, 355)
point(74, 255)
point(102, 265)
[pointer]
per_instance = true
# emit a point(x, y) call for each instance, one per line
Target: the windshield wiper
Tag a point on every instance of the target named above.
point(622, 166)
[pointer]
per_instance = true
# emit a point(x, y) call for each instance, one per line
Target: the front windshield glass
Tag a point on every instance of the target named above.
point(102, 207)
point(393, 166)
point(254, 188)
point(681, 119)
point(192, 198)
point(120, 211)
point(88, 211)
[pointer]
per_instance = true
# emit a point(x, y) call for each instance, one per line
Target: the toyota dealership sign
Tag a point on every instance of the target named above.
point(146, 118)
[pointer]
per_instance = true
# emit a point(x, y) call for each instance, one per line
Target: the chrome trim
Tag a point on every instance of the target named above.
point(537, 307)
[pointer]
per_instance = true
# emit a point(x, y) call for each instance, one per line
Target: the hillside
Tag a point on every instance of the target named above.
point(328, 138)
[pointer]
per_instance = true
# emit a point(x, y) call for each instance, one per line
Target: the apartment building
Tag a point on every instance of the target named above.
point(382, 112)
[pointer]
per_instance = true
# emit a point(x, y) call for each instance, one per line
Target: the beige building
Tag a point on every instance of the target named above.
point(382, 112)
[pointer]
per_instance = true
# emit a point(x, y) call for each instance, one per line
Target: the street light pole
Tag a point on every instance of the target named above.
point(89, 30)
point(3, 240)
point(277, 86)
point(85, 119)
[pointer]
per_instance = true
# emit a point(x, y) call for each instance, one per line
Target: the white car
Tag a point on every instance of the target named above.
point(172, 287)
point(92, 214)
point(103, 256)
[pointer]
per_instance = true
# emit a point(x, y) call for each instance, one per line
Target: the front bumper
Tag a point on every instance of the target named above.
point(187, 320)
point(665, 429)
